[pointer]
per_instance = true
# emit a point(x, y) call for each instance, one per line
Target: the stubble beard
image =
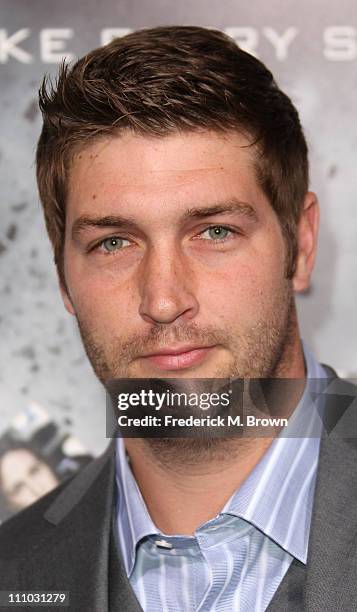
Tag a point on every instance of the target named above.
point(262, 351)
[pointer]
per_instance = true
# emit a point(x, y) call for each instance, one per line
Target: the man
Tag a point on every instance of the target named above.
point(24, 476)
point(174, 179)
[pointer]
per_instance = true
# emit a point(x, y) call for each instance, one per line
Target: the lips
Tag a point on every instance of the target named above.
point(178, 358)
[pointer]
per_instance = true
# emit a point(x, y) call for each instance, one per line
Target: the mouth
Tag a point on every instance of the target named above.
point(178, 358)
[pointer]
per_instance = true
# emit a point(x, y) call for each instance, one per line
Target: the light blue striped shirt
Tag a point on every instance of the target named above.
point(236, 561)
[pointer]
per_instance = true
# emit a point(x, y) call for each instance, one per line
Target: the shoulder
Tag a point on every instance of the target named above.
point(44, 527)
point(340, 407)
point(26, 526)
point(22, 538)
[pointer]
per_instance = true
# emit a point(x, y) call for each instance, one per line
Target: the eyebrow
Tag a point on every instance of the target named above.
point(85, 222)
point(232, 206)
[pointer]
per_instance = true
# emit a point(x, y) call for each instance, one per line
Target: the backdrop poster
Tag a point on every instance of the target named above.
point(311, 49)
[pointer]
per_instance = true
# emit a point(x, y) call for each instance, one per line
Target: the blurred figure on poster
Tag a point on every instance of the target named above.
point(36, 455)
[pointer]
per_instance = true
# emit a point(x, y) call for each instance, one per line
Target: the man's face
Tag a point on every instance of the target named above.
point(25, 478)
point(174, 259)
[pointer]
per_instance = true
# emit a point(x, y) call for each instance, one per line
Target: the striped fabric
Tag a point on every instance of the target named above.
point(236, 561)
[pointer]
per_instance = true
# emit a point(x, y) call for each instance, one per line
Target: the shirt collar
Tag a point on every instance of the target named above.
point(281, 485)
point(133, 519)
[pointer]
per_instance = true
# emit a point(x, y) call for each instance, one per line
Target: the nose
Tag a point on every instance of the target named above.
point(167, 287)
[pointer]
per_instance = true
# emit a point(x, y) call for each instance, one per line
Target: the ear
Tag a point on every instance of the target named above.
point(66, 298)
point(307, 242)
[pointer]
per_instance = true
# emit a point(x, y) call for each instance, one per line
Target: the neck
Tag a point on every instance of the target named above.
point(180, 498)
point(182, 495)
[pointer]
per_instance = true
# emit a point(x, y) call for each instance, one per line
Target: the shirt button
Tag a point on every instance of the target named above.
point(163, 544)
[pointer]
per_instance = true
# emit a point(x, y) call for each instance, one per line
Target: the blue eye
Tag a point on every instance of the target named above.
point(114, 243)
point(217, 232)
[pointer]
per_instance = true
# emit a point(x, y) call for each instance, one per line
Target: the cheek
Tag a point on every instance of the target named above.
point(253, 277)
point(102, 304)
point(243, 289)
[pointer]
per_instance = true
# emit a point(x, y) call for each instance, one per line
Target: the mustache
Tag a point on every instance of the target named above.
point(160, 336)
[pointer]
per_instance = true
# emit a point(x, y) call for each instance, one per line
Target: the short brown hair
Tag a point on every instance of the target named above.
point(161, 80)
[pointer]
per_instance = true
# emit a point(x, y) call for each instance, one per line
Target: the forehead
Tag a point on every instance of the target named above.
point(18, 457)
point(14, 464)
point(174, 170)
